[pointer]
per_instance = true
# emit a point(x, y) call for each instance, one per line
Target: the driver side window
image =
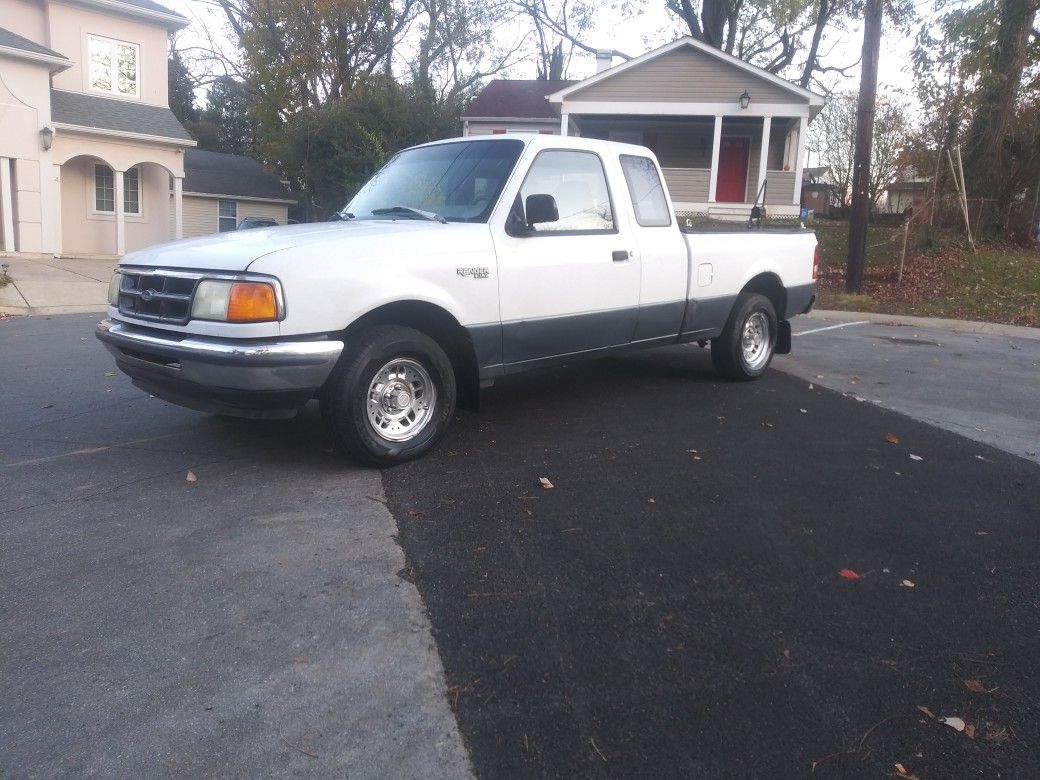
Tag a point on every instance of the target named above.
point(577, 183)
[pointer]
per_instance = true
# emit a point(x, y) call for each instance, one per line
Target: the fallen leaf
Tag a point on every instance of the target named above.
point(969, 731)
point(957, 724)
point(907, 584)
point(545, 483)
point(299, 659)
point(848, 574)
point(787, 654)
point(975, 686)
point(916, 457)
point(191, 477)
point(414, 513)
point(901, 769)
point(926, 711)
point(891, 438)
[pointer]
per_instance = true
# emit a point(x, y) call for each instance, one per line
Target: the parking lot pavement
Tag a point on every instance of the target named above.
point(249, 624)
point(985, 387)
point(674, 604)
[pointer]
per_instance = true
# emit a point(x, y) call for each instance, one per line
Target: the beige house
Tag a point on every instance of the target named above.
point(727, 134)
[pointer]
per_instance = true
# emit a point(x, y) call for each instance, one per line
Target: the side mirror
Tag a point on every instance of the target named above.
point(541, 208)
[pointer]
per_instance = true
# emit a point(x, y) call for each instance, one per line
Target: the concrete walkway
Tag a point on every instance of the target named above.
point(48, 285)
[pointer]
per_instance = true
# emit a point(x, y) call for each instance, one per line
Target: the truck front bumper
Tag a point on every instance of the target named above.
point(244, 378)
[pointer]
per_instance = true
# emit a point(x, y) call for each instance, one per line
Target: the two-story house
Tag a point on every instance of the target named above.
point(92, 160)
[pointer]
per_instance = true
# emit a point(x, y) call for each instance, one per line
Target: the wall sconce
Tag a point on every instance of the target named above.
point(745, 99)
point(47, 137)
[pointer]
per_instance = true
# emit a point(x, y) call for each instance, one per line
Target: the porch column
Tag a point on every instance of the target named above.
point(117, 179)
point(564, 121)
point(57, 211)
point(799, 161)
point(716, 144)
point(763, 153)
point(178, 207)
point(6, 205)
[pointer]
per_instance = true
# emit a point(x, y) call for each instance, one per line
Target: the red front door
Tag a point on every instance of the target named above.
point(733, 169)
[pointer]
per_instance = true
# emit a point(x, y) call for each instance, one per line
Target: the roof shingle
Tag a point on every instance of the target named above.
point(217, 173)
point(14, 41)
point(127, 116)
point(516, 98)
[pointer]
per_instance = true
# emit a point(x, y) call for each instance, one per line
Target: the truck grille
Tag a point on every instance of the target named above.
point(156, 296)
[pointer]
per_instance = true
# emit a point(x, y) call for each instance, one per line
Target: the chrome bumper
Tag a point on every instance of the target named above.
point(246, 377)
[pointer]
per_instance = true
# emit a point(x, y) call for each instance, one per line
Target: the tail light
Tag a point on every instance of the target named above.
point(816, 262)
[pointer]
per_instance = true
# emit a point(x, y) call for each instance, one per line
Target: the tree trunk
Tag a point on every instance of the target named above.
point(984, 146)
point(859, 214)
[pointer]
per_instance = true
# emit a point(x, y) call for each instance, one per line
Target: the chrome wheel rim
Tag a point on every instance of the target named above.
point(754, 341)
point(401, 400)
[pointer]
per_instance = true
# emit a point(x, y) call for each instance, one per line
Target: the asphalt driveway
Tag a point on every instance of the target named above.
point(248, 624)
point(671, 606)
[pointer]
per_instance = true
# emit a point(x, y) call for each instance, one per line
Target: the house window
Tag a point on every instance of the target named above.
point(227, 215)
point(105, 190)
point(646, 190)
point(114, 66)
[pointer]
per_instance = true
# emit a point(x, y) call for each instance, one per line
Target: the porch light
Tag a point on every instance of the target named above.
point(47, 137)
point(745, 99)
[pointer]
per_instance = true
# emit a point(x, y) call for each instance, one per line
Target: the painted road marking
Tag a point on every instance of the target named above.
point(831, 327)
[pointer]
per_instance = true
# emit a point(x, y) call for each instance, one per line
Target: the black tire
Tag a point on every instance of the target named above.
point(727, 352)
point(344, 398)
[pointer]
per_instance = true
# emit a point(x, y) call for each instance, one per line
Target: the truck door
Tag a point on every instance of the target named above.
point(568, 270)
point(662, 250)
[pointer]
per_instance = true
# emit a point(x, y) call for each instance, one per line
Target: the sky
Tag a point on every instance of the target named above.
point(653, 27)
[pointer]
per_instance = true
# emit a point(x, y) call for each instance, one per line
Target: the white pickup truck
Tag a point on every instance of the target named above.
point(459, 262)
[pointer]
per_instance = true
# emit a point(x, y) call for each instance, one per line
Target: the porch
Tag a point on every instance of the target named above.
point(714, 165)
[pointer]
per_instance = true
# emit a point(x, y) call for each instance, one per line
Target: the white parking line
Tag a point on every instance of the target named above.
point(831, 327)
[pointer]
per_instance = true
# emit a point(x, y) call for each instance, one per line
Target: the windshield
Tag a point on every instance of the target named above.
point(458, 181)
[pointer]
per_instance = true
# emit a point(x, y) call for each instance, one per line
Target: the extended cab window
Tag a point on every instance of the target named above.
point(644, 185)
point(577, 184)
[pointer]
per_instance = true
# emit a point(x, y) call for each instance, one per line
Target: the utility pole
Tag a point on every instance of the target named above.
point(859, 214)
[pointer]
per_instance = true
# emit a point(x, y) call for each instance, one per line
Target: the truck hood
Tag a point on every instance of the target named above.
point(236, 250)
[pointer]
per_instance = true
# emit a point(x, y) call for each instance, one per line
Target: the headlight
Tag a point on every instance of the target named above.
point(113, 289)
point(227, 301)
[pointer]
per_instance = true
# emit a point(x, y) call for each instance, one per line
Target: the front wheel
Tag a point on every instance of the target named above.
point(392, 398)
point(745, 347)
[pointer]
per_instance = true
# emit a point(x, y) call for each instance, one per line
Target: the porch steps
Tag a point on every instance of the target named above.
point(729, 212)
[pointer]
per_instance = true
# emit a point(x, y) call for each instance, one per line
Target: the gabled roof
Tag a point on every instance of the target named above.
point(145, 9)
point(514, 99)
point(803, 94)
point(234, 175)
point(15, 45)
point(128, 117)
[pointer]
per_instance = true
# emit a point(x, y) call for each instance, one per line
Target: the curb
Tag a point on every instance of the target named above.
point(960, 326)
point(34, 311)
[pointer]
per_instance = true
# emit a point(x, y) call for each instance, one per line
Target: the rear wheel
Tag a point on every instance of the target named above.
point(745, 347)
point(392, 398)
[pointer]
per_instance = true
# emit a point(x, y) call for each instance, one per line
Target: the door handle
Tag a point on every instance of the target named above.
point(621, 255)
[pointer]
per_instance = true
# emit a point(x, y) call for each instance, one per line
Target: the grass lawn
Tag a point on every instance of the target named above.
point(999, 284)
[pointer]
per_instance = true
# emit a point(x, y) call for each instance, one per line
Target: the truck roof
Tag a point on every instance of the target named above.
point(545, 141)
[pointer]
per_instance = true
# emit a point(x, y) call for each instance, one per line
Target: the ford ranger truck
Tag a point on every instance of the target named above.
point(460, 261)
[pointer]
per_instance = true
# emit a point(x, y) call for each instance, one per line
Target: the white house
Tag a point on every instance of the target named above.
point(723, 130)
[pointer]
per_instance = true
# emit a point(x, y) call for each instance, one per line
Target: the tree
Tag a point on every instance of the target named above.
point(181, 86)
point(986, 158)
point(226, 124)
point(329, 151)
point(833, 136)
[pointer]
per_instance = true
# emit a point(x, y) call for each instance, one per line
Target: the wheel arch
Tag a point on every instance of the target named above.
point(769, 285)
point(440, 325)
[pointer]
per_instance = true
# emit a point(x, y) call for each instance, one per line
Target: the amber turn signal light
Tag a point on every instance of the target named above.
point(252, 302)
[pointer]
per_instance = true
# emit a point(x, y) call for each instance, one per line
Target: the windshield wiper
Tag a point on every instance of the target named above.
point(408, 210)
